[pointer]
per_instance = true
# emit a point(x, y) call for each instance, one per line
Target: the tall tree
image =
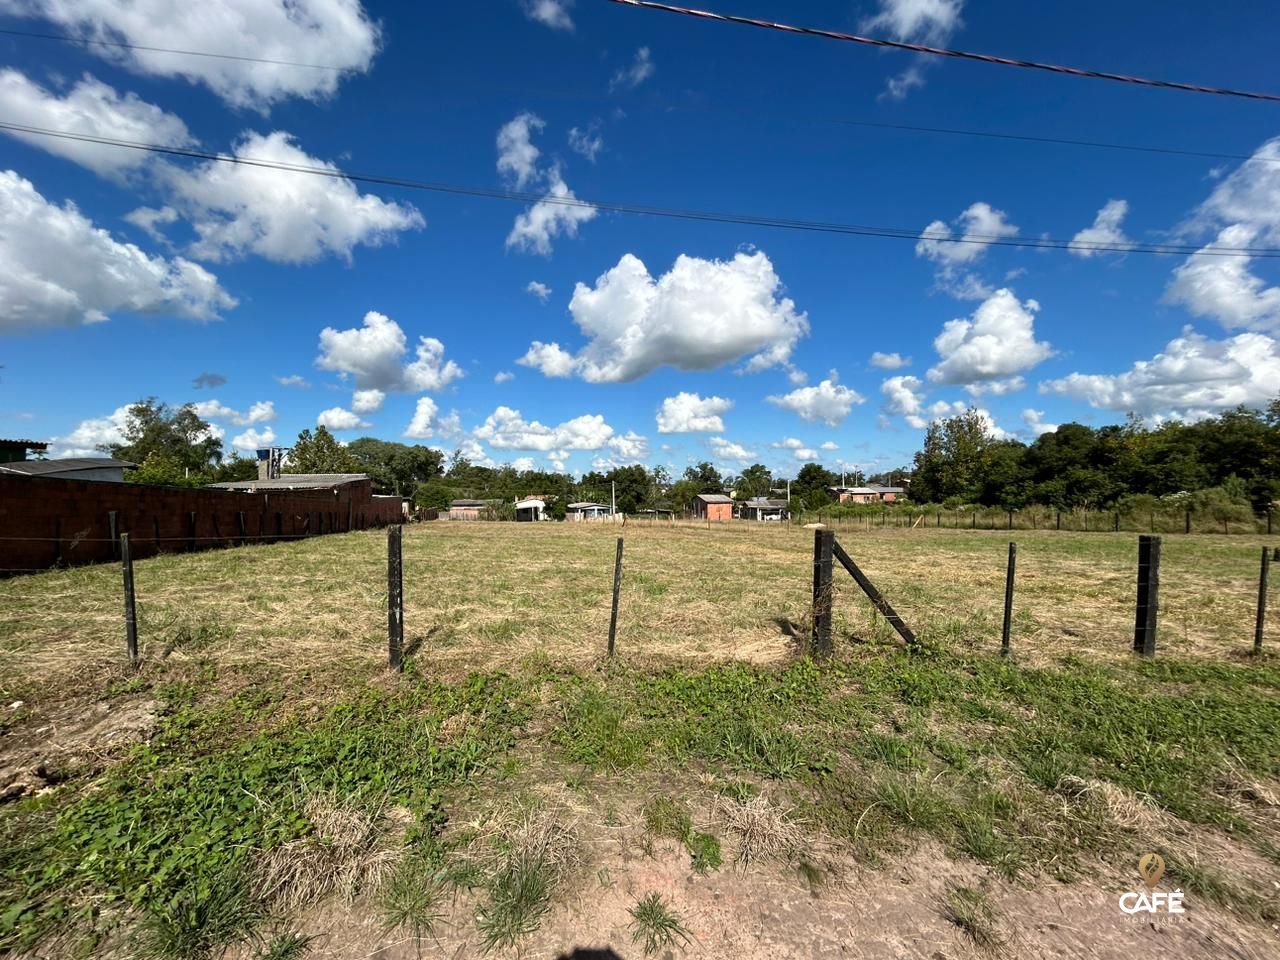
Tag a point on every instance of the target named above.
point(321, 453)
point(177, 442)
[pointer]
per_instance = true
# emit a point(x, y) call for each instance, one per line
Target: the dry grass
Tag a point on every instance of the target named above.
point(762, 829)
point(1105, 800)
point(348, 853)
point(482, 595)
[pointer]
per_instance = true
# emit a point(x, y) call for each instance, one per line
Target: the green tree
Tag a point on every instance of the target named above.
point(178, 439)
point(396, 467)
point(321, 453)
point(756, 481)
point(705, 477)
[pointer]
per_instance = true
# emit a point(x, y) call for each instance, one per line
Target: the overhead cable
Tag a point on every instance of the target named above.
point(944, 52)
point(784, 223)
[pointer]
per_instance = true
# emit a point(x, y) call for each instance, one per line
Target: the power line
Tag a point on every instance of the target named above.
point(944, 52)
point(790, 115)
point(87, 41)
point(784, 223)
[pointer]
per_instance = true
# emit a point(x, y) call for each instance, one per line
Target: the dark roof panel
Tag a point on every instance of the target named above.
point(42, 468)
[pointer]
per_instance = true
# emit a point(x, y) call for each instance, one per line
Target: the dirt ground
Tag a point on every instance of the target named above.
point(890, 913)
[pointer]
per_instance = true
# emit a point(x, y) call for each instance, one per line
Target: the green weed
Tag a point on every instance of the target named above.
point(654, 925)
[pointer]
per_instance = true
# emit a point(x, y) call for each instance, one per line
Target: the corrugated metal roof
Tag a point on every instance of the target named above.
point(714, 498)
point(33, 444)
point(43, 468)
point(294, 481)
point(467, 503)
point(766, 502)
point(586, 504)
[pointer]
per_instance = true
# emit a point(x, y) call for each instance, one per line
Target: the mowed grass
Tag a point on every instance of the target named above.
point(285, 748)
point(488, 596)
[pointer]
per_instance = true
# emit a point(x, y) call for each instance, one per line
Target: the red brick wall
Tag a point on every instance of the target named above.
point(45, 521)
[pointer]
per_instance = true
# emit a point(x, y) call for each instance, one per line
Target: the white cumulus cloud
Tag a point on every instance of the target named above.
point(89, 435)
point(91, 108)
point(336, 418)
point(930, 22)
point(1243, 211)
point(506, 429)
point(239, 209)
point(723, 449)
point(889, 361)
point(335, 33)
point(977, 227)
point(58, 269)
point(1225, 288)
point(690, 413)
point(1106, 230)
point(264, 411)
point(367, 401)
point(698, 316)
point(1034, 419)
point(517, 155)
point(503, 376)
point(374, 355)
point(252, 440)
point(427, 422)
point(1193, 377)
point(539, 290)
point(997, 341)
point(558, 213)
point(829, 402)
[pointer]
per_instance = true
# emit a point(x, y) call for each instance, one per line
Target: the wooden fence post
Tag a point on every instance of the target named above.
point(1188, 524)
point(113, 531)
point(395, 600)
point(617, 590)
point(1008, 599)
point(1010, 519)
point(1144, 632)
point(1059, 527)
point(130, 610)
point(823, 542)
point(1264, 575)
point(876, 597)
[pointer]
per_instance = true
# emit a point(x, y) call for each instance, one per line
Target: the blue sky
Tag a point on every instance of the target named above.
point(663, 341)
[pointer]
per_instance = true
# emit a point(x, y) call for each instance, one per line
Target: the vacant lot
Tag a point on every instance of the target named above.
point(260, 782)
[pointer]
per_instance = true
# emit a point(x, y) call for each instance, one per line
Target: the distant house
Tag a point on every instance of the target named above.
point(105, 469)
point(887, 494)
point(467, 509)
point(587, 511)
point(856, 494)
point(15, 451)
point(871, 493)
point(762, 508)
point(530, 508)
point(713, 506)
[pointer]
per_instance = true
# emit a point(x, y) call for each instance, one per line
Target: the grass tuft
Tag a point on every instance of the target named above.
point(972, 912)
point(654, 925)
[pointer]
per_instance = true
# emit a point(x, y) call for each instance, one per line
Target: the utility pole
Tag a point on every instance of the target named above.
point(613, 497)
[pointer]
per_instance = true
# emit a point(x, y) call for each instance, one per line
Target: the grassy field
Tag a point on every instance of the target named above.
point(261, 783)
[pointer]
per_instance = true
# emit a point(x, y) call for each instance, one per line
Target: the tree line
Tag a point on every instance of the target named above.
point(1232, 458)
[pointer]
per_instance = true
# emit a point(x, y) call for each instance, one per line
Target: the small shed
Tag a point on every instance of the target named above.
point(587, 511)
point(713, 506)
point(15, 451)
point(762, 508)
point(530, 509)
point(887, 494)
point(106, 469)
point(466, 509)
